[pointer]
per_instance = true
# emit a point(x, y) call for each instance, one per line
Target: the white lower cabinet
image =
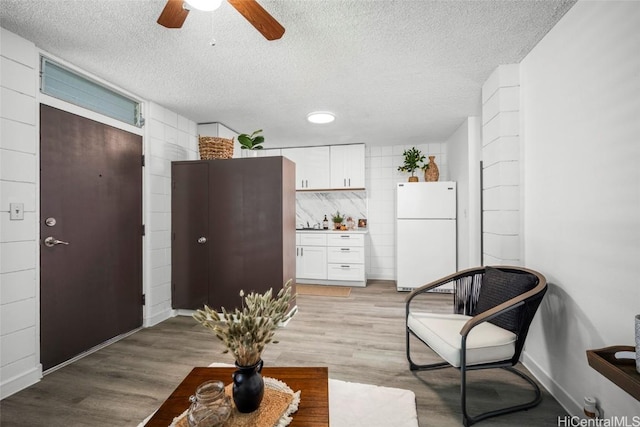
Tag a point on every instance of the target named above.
point(311, 256)
point(342, 255)
point(346, 257)
point(353, 272)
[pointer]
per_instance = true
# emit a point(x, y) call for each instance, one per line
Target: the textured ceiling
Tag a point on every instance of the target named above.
point(393, 72)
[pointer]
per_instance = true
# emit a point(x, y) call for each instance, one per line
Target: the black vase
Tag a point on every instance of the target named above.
point(248, 387)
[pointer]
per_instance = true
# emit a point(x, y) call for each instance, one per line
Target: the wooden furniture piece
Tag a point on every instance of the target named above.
point(313, 384)
point(233, 228)
point(621, 372)
point(492, 310)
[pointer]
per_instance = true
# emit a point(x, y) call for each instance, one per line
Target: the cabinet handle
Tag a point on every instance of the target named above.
point(344, 182)
point(345, 249)
point(297, 251)
point(301, 251)
point(345, 236)
point(306, 181)
point(345, 266)
point(349, 182)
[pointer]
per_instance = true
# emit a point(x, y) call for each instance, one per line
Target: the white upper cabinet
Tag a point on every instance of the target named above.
point(312, 167)
point(269, 152)
point(347, 166)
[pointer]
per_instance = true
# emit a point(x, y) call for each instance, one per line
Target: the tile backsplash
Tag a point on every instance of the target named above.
point(312, 207)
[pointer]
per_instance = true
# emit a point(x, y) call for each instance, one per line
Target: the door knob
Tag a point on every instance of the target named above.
point(202, 240)
point(52, 241)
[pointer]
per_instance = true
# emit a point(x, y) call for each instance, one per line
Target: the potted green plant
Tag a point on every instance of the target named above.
point(337, 219)
point(412, 159)
point(253, 141)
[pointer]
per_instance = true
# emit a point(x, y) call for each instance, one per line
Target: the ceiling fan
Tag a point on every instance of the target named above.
point(174, 14)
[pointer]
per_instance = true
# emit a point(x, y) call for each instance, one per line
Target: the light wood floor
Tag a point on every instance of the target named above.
point(360, 338)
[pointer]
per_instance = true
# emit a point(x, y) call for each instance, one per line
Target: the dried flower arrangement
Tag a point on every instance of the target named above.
point(246, 332)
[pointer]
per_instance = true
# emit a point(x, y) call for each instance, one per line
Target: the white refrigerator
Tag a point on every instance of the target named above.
point(425, 233)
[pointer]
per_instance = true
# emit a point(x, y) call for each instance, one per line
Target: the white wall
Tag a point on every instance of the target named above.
point(381, 178)
point(501, 182)
point(463, 152)
point(167, 137)
point(581, 128)
point(19, 294)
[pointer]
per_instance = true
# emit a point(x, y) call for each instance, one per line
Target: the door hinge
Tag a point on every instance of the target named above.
point(143, 160)
point(144, 231)
point(144, 299)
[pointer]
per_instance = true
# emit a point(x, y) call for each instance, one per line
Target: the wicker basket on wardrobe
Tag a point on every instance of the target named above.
point(213, 147)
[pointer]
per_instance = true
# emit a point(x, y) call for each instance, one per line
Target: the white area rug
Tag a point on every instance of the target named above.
point(364, 405)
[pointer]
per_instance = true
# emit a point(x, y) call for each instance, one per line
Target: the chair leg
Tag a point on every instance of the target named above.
point(414, 366)
point(468, 420)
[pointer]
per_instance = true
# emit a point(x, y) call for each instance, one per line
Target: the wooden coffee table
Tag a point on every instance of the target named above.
point(313, 384)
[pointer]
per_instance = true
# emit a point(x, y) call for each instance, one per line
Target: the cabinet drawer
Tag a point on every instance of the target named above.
point(345, 255)
point(346, 272)
point(313, 239)
point(345, 239)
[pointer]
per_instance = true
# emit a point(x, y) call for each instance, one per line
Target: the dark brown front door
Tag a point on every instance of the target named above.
point(91, 209)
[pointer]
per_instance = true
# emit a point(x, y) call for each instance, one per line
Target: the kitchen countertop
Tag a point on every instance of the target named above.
point(356, 231)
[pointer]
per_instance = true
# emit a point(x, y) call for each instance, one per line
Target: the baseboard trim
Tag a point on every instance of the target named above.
point(157, 318)
point(16, 384)
point(565, 400)
point(350, 283)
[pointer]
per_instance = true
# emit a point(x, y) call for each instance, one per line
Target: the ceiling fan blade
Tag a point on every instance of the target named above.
point(173, 14)
point(259, 18)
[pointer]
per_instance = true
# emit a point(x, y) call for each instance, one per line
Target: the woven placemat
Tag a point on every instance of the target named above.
point(278, 404)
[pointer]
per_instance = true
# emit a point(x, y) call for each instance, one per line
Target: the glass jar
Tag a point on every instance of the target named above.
point(351, 224)
point(210, 406)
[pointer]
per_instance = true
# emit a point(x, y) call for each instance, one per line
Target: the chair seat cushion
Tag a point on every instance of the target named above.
point(485, 343)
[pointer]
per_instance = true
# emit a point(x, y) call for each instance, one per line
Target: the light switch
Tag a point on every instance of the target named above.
point(16, 211)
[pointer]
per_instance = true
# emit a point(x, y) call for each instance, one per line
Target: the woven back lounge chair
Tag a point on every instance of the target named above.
point(492, 310)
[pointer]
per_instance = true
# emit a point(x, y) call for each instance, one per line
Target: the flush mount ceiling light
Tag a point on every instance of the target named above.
point(321, 117)
point(204, 5)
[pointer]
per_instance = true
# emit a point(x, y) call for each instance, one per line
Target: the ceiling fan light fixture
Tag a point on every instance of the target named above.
point(204, 5)
point(321, 117)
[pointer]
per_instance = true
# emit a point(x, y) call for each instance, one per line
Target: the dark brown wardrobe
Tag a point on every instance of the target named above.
point(232, 229)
